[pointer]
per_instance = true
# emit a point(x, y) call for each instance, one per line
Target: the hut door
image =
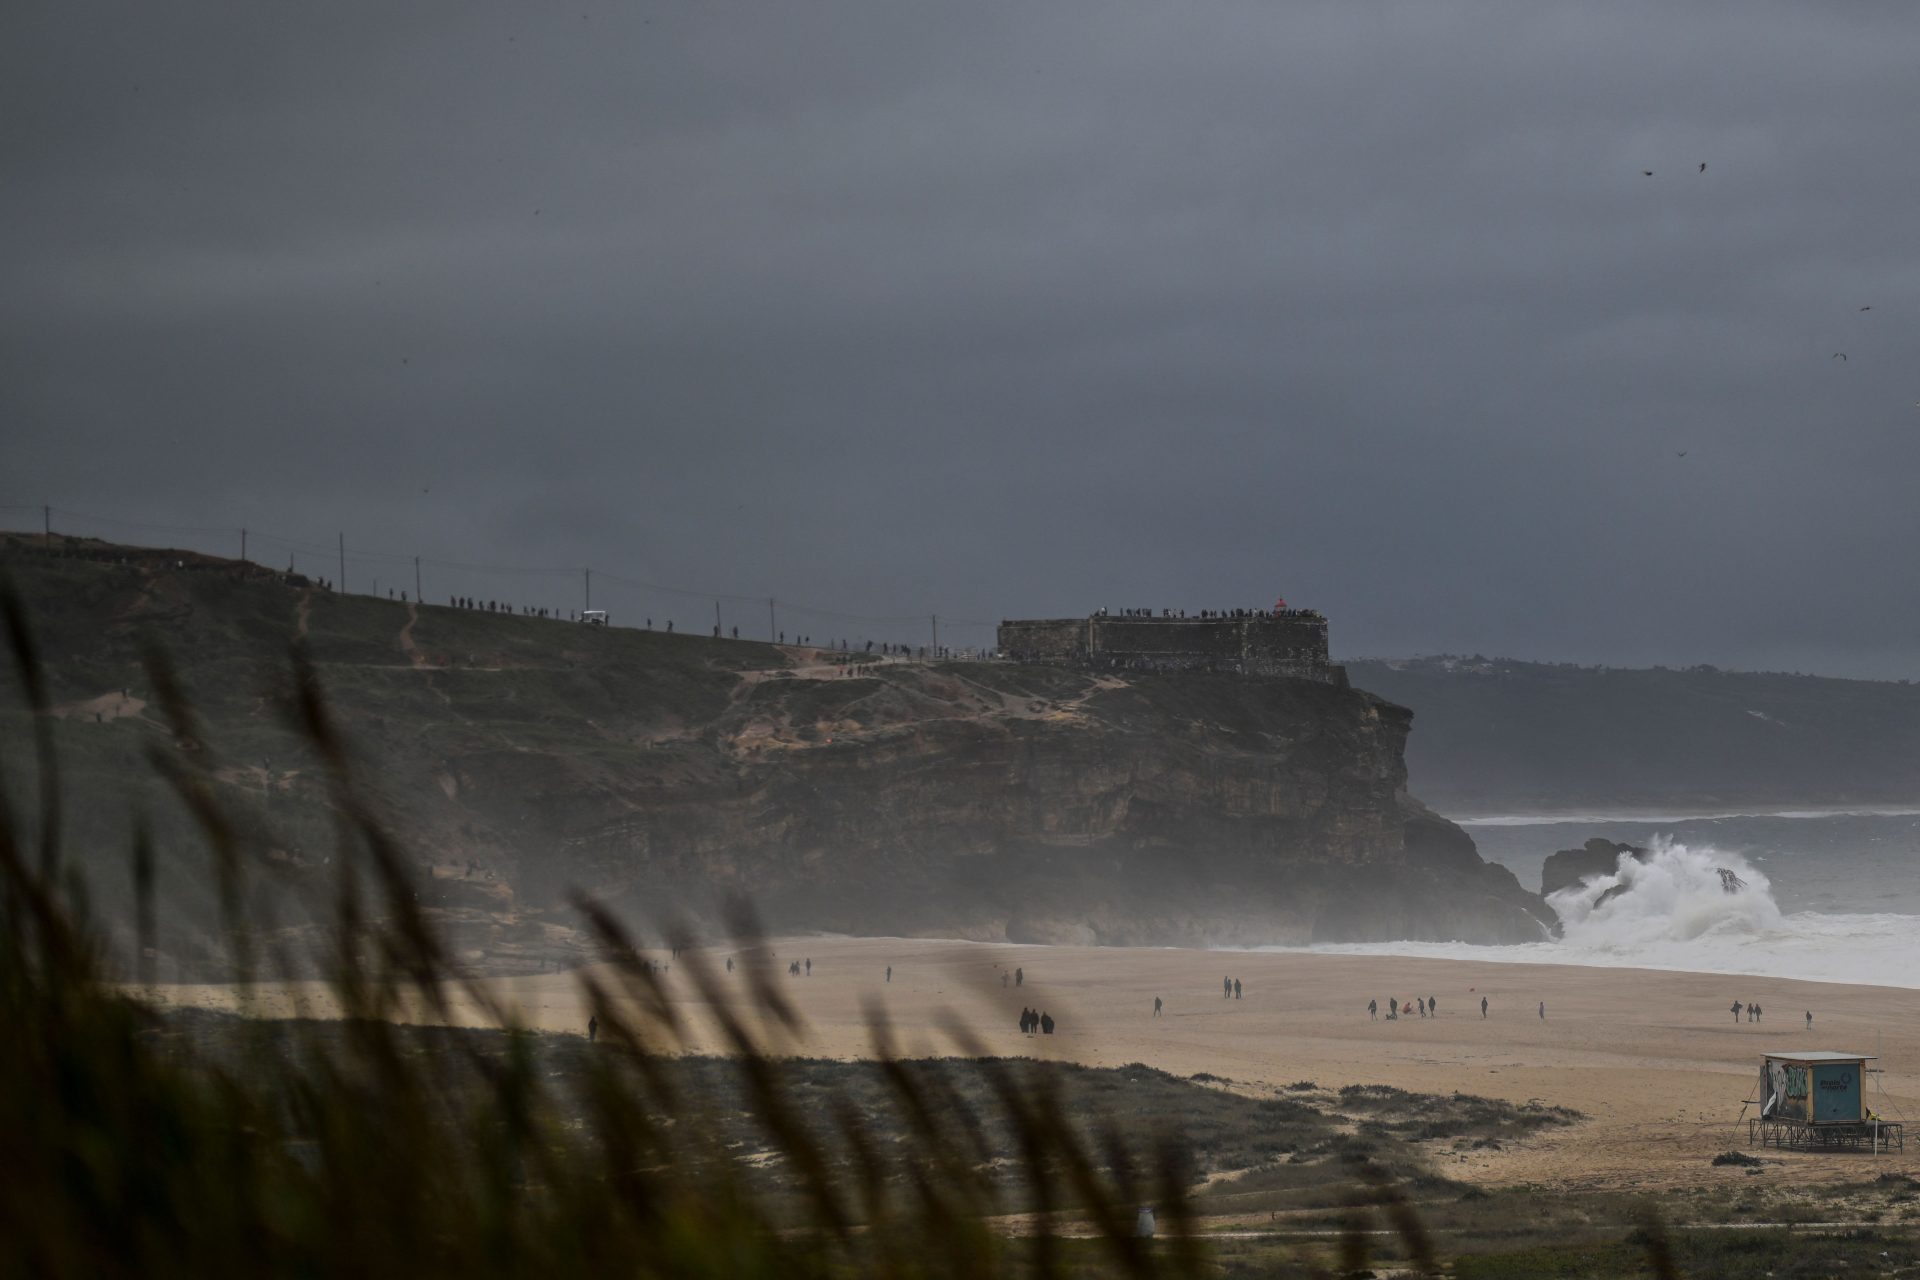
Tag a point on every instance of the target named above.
point(1836, 1093)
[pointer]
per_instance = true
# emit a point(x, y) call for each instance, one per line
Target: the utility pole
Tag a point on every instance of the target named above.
point(716, 619)
point(770, 631)
point(586, 576)
point(243, 544)
point(46, 517)
point(935, 618)
point(416, 579)
point(343, 563)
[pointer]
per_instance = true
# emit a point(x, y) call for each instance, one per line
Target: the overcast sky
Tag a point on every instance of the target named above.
point(998, 309)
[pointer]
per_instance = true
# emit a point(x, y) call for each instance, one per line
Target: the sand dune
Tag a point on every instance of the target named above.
point(1654, 1058)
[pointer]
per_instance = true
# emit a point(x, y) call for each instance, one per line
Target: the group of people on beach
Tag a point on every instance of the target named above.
point(1750, 1012)
point(1429, 1007)
point(1032, 1021)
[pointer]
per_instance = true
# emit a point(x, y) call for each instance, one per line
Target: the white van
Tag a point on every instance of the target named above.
point(594, 617)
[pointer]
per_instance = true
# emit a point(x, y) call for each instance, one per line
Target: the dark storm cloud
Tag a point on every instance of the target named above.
point(1001, 310)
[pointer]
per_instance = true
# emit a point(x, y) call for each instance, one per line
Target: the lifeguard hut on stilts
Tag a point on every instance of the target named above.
point(1817, 1101)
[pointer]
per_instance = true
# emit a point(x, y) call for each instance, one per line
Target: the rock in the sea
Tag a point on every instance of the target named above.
point(1570, 867)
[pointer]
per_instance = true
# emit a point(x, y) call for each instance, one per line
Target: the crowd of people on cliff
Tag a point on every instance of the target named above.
point(1228, 614)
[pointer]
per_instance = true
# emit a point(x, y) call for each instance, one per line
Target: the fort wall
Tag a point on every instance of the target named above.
point(1293, 643)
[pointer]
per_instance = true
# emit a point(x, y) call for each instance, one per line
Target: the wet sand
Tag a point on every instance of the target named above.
point(1654, 1058)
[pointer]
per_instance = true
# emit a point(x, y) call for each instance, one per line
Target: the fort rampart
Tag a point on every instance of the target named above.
point(1290, 643)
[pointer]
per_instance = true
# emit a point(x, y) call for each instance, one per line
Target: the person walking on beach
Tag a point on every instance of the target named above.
point(1809, 1019)
point(1543, 1011)
point(889, 973)
point(1421, 1001)
point(809, 966)
point(1433, 1006)
point(1236, 988)
point(1019, 977)
point(1737, 1011)
point(1046, 1024)
point(1156, 1006)
point(1756, 1011)
point(1483, 1008)
point(1226, 988)
point(1373, 1011)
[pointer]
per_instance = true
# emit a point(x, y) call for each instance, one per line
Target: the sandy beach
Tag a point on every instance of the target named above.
point(1654, 1058)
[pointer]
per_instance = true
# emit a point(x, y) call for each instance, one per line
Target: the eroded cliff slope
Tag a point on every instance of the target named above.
point(519, 759)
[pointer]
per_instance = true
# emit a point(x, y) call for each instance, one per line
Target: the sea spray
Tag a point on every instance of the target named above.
point(1672, 893)
point(1673, 912)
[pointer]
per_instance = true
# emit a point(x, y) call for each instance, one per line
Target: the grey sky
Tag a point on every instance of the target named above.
point(1000, 309)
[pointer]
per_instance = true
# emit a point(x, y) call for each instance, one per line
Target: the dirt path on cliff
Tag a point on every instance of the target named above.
point(108, 706)
point(407, 646)
point(825, 664)
point(1652, 1058)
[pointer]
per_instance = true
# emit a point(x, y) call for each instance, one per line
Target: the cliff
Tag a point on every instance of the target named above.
point(517, 759)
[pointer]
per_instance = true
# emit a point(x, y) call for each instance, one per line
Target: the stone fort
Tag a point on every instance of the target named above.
point(1257, 642)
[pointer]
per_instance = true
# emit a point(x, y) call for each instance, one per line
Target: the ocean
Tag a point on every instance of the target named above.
point(1828, 896)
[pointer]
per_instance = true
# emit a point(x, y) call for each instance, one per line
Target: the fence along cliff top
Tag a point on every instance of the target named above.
point(1260, 642)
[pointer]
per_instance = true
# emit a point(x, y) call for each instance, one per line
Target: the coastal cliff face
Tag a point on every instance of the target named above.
point(519, 760)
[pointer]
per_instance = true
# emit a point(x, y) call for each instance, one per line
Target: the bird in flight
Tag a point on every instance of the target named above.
point(1646, 173)
point(1703, 166)
point(1839, 355)
point(1681, 454)
point(1866, 308)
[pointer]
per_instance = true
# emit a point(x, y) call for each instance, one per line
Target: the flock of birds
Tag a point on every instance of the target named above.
point(1838, 355)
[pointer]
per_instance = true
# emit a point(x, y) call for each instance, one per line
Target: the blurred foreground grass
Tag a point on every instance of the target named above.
point(140, 1143)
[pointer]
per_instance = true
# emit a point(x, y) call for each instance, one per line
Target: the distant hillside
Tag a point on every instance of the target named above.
point(1492, 735)
point(519, 759)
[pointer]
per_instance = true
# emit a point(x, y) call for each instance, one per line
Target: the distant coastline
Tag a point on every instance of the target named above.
point(1575, 817)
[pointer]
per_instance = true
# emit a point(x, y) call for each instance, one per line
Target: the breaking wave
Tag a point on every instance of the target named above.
point(1673, 910)
point(1677, 894)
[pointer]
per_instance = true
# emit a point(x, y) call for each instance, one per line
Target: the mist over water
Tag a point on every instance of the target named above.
point(1675, 913)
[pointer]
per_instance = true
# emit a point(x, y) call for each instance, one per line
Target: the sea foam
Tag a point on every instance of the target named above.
point(1675, 913)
